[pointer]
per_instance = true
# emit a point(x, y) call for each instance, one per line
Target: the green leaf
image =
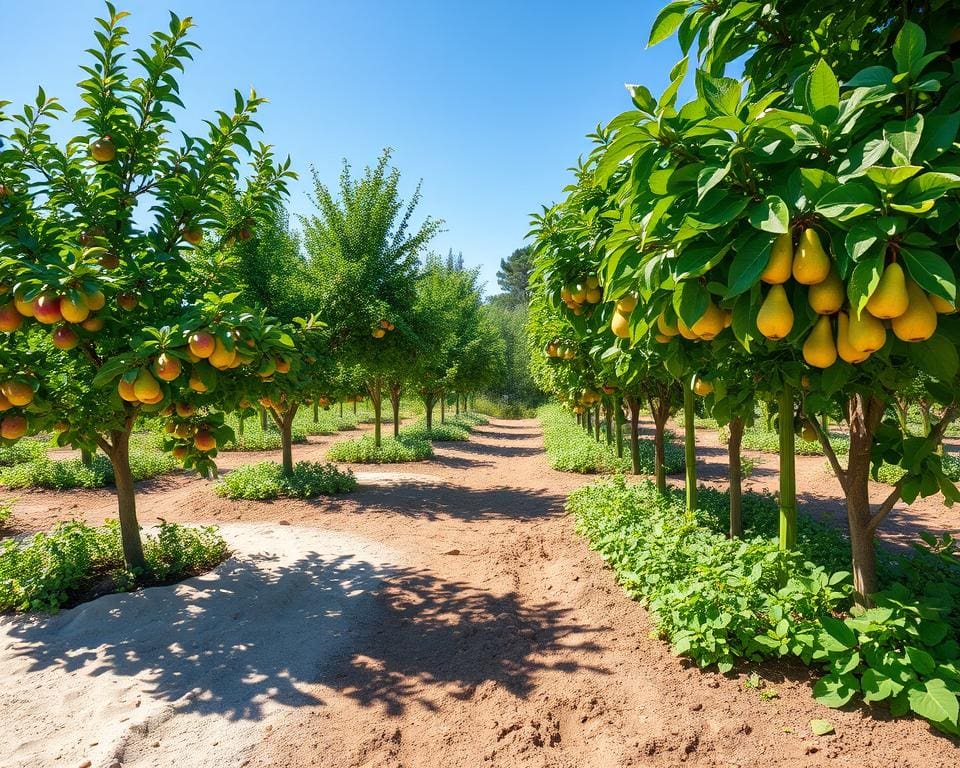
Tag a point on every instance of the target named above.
point(709, 177)
point(878, 686)
point(887, 178)
point(931, 272)
point(722, 94)
point(821, 727)
point(920, 660)
point(870, 77)
point(846, 202)
point(934, 701)
point(835, 690)
point(904, 137)
point(690, 301)
point(823, 94)
point(937, 357)
point(748, 263)
point(698, 260)
point(928, 186)
point(667, 22)
point(771, 215)
point(909, 47)
point(837, 635)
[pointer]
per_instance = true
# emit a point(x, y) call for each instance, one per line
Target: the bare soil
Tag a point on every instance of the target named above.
point(502, 640)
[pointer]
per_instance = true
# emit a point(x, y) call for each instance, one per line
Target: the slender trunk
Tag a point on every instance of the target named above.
point(466, 404)
point(119, 454)
point(428, 403)
point(608, 421)
point(395, 403)
point(579, 419)
point(284, 423)
point(735, 476)
point(925, 418)
point(457, 398)
point(86, 457)
point(901, 411)
point(263, 419)
point(354, 407)
point(341, 409)
point(443, 408)
point(588, 427)
point(375, 392)
point(864, 419)
point(596, 423)
point(618, 422)
point(788, 472)
point(660, 412)
point(316, 411)
point(634, 404)
point(240, 421)
point(689, 449)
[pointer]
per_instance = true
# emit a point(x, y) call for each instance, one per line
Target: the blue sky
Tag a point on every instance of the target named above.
point(487, 102)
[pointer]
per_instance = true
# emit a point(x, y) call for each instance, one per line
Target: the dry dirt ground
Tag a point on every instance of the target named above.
point(493, 636)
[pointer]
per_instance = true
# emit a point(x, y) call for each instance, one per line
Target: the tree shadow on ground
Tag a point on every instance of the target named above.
point(506, 451)
point(264, 634)
point(433, 501)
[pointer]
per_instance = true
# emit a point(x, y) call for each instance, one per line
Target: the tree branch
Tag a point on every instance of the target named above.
point(828, 451)
point(886, 507)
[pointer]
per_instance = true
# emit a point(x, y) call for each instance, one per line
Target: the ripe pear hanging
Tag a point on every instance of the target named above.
point(866, 333)
point(827, 297)
point(620, 325)
point(710, 323)
point(845, 349)
point(811, 265)
point(819, 349)
point(781, 260)
point(919, 322)
point(775, 319)
point(890, 298)
point(665, 328)
point(942, 306)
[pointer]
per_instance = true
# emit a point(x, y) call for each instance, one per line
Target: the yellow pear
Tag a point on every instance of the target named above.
point(781, 260)
point(819, 349)
point(727, 318)
point(663, 339)
point(845, 349)
point(920, 320)
point(627, 304)
point(710, 323)
point(866, 333)
point(890, 298)
point(702, 387)
point(665, 328)
point(775, 319)
point(827, 297)
point(685, 331)
point(811, 265)
point(942, 306)
point(620, 325)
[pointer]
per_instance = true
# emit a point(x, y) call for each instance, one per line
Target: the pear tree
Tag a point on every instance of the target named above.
point(104, 319)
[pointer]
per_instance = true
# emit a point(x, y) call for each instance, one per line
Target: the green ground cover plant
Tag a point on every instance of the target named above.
point(63, 474)
point(266, 480)
point(363, 450)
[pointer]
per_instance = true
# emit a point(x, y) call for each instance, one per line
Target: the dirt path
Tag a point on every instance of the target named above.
point(502, 640)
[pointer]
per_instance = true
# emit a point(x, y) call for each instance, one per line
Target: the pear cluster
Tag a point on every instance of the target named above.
point(711, 323)
point(381, 330)
point(841, 331)
point(620, 322)
point(581, 295)
point(559, 350)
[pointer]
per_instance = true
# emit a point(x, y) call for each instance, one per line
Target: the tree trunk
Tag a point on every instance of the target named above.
point(660, 412)
point(341, 409)
point(263, 419)
point(458, 404)
point(86, 457)
point(618, 423)
point(634, 404)
point(596, 423)
point(240, 421)
point(284, 423)
point(788, 472)
point(354, 407)
point(735, 473)
point(375, 392)
point(588, 427)
point(608, 421)
point(428, 403)
point(395, 403)
point(119, 454)
point(466, 404)
point(865, 415)
point(316, 410)
point(689, 449)
point(443, 408)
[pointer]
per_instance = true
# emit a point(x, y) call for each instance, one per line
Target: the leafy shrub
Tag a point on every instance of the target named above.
point(6, 510)
point(255, 438)
point(757, 438)
point(718, 600)
point(21, 452)
point(62, 474)
point(504, 408)
point(439, 433)
point(362, 450)
point(63, 566)
point(570, 449)
point(328, 421)
point(267, 481)
point(470, 420)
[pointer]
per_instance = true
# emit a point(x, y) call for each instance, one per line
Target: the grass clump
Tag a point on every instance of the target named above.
point(363, 450)
point(266, 480)
point(63, 474)
point(439, 433)
point(756, 438)
point(570, 449)
point(21, 452)
point(77, 561)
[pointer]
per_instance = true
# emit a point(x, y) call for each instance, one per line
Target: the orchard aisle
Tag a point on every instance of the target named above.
point(444, 615)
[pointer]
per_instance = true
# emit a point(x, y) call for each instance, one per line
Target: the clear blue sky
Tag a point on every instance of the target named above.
point(487, 102)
